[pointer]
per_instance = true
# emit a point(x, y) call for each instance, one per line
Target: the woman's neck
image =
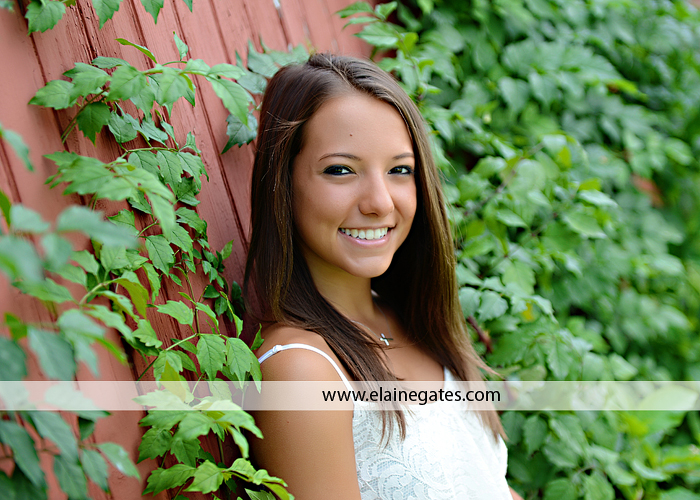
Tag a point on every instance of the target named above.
point(350, 295)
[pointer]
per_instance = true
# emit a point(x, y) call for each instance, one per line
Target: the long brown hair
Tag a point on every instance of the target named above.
point(420, 284)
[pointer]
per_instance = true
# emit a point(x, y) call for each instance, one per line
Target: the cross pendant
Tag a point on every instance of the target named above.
point(385, 339)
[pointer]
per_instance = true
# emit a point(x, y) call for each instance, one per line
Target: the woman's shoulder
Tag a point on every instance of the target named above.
point(295, 355)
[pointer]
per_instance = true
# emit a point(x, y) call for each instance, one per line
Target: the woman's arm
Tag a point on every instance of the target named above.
point(515, 495)
point(312, 451)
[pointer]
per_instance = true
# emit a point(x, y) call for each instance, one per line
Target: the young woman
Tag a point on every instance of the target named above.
point(352, 259)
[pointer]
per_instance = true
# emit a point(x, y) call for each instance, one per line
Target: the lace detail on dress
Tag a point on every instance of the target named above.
point(447, 455)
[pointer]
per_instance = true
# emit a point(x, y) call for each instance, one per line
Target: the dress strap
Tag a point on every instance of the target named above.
point(279, 348)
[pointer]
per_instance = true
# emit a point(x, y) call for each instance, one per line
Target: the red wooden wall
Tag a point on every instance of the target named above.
point(214, 31)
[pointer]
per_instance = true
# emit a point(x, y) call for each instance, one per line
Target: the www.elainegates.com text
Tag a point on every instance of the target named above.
point(421, 397)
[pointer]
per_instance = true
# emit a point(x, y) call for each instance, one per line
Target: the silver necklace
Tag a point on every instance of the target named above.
point(381, 337)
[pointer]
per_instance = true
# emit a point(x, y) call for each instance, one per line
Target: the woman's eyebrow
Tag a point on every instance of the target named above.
point(357, 158)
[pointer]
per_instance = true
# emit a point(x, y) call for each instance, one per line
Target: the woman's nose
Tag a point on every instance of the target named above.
point(375, 198)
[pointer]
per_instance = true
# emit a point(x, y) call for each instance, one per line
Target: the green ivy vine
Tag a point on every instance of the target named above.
point(116, 283)
point(568, 135)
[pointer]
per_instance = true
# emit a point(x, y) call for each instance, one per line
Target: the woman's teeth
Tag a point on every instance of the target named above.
point(366, 234)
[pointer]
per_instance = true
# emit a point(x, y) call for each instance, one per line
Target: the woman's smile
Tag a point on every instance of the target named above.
point(354, 191)
point(366, 234)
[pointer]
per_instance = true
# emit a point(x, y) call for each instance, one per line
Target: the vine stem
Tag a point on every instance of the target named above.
point(146, 228)
point(484, 336)
point(166, 349)
point(189, 285)
point(97, 287)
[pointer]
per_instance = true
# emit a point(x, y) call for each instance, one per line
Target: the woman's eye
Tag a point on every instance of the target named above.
point(337, 170)
point(402, 169)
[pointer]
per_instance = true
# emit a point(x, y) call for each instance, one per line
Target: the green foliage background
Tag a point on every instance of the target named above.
point(568, 132)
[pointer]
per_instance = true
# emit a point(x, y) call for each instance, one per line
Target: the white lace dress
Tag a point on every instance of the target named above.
point(447, 453)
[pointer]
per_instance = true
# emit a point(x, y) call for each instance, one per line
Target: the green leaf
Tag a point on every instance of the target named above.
point(559, 359)
point(239, 358)
point(70, 476)
point(596, 487)
point(492, 306)
point(15, 140)
point(92, 118)
point(86, 260)
point(57, 251)
point(384, 9)
point(355, 8)
point(257, 341)
point(113, 258)
point(171, 86)
point(122, 129)
point(597, 198)
point(260, 495)
point(75, 322)
point(82, 219)
point(262, 64)
point(172, 477)
point(153, 280)
point(207, 478)
point(138, 294)
point(86, 79)
point(153, 8)
point(380, 35)
point(165, 213)
point(560, 489)
point(182, 47)
point(560, 454)
point(186, 451)
point(26, 220)
point(44, 14)
point(534, 432)
point(126, 82)
point(178, 310)
point(233, 96)
point(515, 92)
point(154, 443)
point(679, 151)
point(584, 223)
point(12, 361)
point(469, 300)
point(19, 259)
point(95, 467)
point(211, 351)
point(194, 424)
point(105, 9)
point(510, 218)
point(22, 446)
point(192, 219)
point(181, 238)
point(160, 252)
point(140, 48)
point(57, 94)
point(108, 62)
point(119, 458)
point(111, 319)
point(240, 133)
point(146, 334)
point(224, 70)
point(54, 353)
point(47, 290)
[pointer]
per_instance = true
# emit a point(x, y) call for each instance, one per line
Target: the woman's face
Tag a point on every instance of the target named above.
point(354, 190)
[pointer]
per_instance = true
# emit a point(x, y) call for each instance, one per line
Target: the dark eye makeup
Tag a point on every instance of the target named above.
point(402, 170)
point(337, 170)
